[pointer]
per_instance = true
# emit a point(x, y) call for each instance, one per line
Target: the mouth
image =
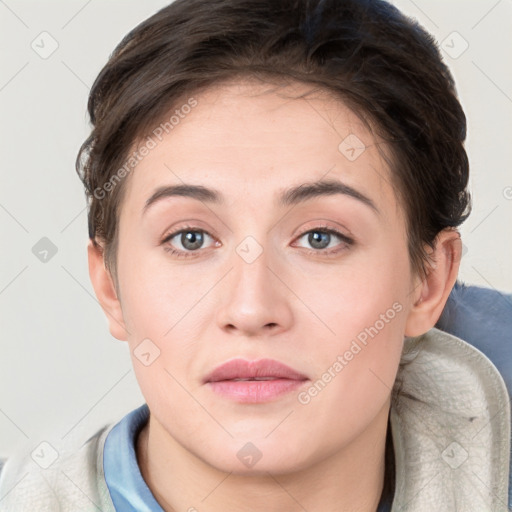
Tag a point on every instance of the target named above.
point(258, 381)
point(256, 378)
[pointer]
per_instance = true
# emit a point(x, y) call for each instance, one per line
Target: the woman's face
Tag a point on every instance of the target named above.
point(317, 279)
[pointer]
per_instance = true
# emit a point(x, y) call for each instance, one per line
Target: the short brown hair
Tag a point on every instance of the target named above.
point(382, 64)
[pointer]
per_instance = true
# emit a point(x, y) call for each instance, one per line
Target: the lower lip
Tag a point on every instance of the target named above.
point(254, 391)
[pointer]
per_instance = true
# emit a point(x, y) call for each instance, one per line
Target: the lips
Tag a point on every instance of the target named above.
point(260, 370)
point(253, 382)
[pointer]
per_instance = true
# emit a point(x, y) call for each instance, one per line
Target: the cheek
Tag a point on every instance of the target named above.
point(155, 295)
point(358, 369)
point(163, 308)
point(363, 311)
point(345, 299)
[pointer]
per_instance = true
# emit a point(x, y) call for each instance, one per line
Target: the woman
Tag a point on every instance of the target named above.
point(274, 189)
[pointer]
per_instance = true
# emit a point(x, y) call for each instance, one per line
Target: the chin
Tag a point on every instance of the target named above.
point(258, 458)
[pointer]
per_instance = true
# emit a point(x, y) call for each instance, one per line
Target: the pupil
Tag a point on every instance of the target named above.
point(315, 239)
point(194, 237)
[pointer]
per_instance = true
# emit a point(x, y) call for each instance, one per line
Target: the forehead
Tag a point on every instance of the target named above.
point(252, 140)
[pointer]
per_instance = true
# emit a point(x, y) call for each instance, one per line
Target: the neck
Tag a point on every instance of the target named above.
point(351, 479)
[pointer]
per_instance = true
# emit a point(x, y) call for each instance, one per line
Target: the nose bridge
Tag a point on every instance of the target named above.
point(255, 299)
point(251, 268)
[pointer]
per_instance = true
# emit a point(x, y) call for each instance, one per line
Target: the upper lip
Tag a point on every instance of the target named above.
point(261, 368)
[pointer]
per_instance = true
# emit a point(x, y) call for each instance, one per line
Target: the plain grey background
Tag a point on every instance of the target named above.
point(62, 376)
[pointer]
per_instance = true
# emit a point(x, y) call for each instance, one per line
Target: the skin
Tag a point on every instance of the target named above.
point(292, 303)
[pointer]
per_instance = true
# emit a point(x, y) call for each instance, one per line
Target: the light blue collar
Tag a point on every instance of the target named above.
point(127, 488)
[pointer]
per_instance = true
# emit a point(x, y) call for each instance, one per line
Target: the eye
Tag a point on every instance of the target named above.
point(323, 237)
point(190, 240)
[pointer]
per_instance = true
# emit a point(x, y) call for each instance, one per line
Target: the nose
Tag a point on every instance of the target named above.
point(256, 300)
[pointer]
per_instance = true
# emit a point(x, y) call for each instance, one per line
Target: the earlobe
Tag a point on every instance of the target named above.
point(105, 291)
point(431, 294)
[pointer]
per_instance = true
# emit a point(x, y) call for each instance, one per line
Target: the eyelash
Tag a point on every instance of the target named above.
point(319, 229)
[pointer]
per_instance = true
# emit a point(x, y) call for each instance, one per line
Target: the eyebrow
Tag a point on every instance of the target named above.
point(291, 196)
point(300, 193)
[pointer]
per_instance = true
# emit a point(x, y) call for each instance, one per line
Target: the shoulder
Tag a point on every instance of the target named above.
point(73, 481)
point(446, 392)
point(481, 301)
point(483, 318)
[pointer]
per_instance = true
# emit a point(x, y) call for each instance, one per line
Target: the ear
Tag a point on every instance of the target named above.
point(431, 293)
point(105, 291)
